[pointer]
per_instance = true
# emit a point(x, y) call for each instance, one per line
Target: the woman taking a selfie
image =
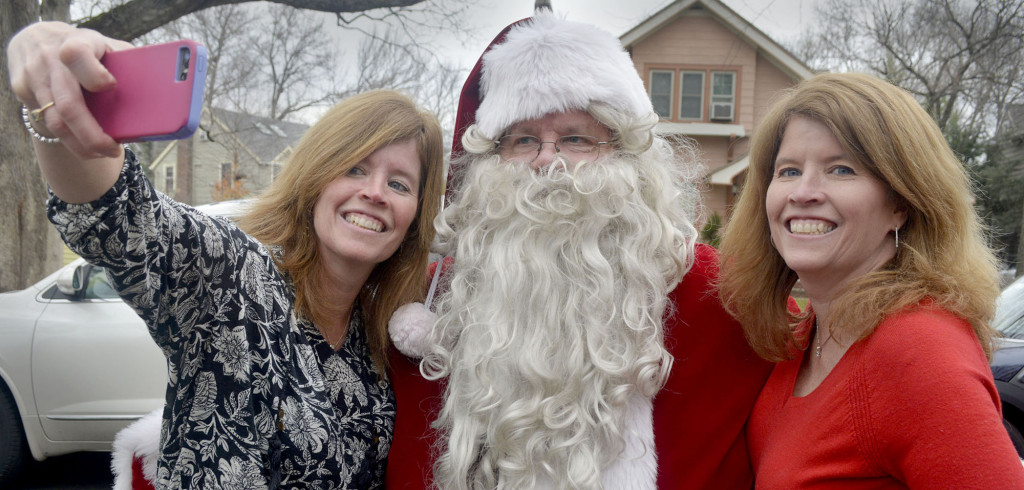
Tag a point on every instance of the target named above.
point(883, 382)
point(275, 337)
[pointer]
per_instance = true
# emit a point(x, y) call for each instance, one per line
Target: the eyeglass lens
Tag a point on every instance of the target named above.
point(518, 144)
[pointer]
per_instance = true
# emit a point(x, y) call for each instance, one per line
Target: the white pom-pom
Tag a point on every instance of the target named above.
point(410, 328)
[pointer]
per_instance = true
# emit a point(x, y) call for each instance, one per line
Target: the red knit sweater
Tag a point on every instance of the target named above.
point(911, 406)
point(698, 416)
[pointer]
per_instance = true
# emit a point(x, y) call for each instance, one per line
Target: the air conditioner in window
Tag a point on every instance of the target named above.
point(721, 112)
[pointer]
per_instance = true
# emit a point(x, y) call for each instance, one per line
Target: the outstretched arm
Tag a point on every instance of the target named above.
point(53, 62)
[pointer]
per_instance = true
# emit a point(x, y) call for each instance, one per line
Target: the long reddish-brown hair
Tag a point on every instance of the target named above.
point(283, 217)
point(942, 253)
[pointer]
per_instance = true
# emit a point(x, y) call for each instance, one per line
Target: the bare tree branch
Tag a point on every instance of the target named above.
point(137, 17)
point(412, 27)
point(960, 58)
point(223, 31)
point(385, 63)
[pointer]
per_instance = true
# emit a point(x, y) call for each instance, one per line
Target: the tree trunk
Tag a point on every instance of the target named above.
point(31, 246)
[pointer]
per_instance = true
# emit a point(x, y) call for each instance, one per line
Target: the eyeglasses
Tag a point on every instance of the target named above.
point(522, 145)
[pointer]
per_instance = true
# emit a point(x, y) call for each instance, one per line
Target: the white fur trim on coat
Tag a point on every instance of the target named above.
point(140, 439)
point(548, 64)
point(637, 467)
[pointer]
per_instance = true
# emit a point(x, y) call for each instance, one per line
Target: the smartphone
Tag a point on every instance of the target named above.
point(159, 92)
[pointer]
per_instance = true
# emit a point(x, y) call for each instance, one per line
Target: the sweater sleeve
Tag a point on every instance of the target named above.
point(174, 265)
point(925, 407)
point(714, 381)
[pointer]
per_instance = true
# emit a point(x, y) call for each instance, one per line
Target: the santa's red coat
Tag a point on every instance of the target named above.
point(698, 416)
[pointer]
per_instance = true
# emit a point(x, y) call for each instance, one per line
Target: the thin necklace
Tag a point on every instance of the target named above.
point(337, 343)
point(817, 350)
point(334, 346)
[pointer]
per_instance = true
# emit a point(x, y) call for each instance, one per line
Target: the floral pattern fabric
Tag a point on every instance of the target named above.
point(256, 397)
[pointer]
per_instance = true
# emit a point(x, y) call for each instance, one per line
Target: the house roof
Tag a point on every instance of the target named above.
point(700, 129)
point(264, 138)
point(774, 52)
point(724, 175)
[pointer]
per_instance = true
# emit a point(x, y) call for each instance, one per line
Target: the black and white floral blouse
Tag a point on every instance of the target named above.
point(257, 398)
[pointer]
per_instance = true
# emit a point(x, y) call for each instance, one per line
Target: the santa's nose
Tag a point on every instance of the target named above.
point(547, 153)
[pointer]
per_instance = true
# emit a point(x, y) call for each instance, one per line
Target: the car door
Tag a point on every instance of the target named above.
point(94, 366)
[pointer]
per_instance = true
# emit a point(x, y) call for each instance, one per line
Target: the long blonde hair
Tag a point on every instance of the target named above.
point(942, 253)
point(283, 217)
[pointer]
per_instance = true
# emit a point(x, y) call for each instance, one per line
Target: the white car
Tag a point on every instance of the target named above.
point(77, 365)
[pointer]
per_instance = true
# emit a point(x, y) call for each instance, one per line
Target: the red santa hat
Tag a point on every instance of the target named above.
point(546, 64)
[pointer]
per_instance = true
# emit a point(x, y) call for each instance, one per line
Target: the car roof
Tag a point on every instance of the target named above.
point(232, 209)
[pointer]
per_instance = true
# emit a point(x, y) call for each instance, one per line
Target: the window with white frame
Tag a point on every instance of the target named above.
point(661, 92)
point(723, 95)
point(691, 95)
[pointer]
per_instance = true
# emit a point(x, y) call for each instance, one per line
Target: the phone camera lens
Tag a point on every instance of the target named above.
point(184, 55)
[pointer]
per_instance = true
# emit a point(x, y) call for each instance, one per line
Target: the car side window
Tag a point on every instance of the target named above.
point(1009, 318)
point(97, 285)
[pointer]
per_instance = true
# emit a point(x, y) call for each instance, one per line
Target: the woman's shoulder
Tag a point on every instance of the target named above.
point(922, 322)
point(922, 337)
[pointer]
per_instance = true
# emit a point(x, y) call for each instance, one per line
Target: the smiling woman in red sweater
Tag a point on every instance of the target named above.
point(884, 381)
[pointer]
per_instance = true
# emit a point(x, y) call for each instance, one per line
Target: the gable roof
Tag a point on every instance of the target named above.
point(767, 47)
point(264, 138)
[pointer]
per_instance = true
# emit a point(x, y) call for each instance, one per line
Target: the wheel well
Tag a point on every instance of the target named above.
point(1013, 415)
point(14, 449)
point(5, 391)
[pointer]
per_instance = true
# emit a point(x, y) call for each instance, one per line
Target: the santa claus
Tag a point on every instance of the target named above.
point(579, 342)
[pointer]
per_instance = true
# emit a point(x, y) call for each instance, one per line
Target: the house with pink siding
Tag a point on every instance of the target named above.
point(711, 76)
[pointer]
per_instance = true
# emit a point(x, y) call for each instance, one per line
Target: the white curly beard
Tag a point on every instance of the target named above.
point(551, 326)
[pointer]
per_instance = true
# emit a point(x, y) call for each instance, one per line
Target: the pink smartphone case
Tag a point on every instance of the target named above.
point(149, 102)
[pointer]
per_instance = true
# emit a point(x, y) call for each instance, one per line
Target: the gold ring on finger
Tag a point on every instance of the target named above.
point(37, 114)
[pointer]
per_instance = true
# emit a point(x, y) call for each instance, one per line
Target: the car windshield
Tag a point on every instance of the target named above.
point(97, 286)
point(1009, 319)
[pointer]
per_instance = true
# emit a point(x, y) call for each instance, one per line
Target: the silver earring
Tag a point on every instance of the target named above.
point(897, 237)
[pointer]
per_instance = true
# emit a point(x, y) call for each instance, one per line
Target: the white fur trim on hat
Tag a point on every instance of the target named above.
point(548, 64)
point(141, 439)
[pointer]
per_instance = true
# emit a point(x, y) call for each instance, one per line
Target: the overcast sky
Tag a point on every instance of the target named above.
point(780, 19)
